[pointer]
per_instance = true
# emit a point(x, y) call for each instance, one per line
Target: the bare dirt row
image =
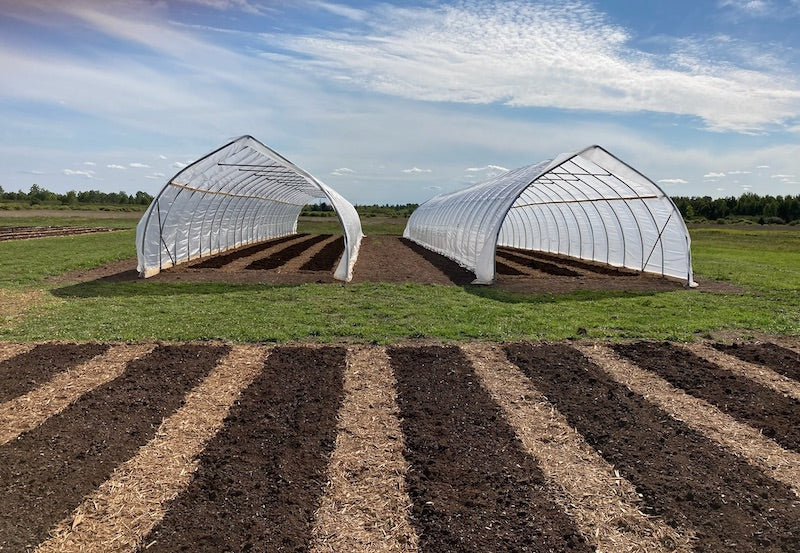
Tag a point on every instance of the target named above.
point(516, 447)
point(22, 233)
point(307, 258)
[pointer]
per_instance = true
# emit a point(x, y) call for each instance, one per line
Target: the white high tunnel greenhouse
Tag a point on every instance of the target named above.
point(587, 205)
point(242, 193)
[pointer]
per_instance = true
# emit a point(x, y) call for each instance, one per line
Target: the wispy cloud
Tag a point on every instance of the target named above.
point(782, 176)
point(673, 181)
point(341, 10)
point(740, 172)
point(713, 175)
point(179, 165)
point(486, 52)
point(487, 168)
point(416, 170)
point(137, 165)
point(342, 171)
point(115, 166)
point(89, 163)
point(79, 173)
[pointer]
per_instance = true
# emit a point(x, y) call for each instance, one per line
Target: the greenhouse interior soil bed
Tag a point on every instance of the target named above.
point(304, 258)
point(471, 484)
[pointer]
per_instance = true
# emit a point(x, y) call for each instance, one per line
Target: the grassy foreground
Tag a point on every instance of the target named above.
point(765, 263)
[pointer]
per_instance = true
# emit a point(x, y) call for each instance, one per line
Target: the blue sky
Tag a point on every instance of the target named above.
point(395, 102)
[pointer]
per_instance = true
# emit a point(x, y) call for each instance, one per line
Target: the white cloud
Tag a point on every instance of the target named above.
point(139, 165)
point(740, 172)
point(782, 176)
point(487, 168)
point(162, 156)
point(342, 171)
point(89, 163)
point(76, 173)
point(115, 166)
point(762, 167)
point(416, 169)
point(713, 175)
point(179, 165)
point(673, 181)
point(341, 10)
point(486, 53)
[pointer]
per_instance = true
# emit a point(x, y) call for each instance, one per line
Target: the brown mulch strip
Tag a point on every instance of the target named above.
point(46, 472)
point(781, 360)
point(473, 486)
point(283, 256)
point(260, 478)
point(28, 411)
point(549, 268)
point(776, 415)
point(11, 349)
point(506, 269)
point(124, 509)
point(760, 374)
point(365, 507)
point(604, 505)
point(582, 265)
point(684, 477)
point(326, 258)
point(218, 261)
point(23, 373)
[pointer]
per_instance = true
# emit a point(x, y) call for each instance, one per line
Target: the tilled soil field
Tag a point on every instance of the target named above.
point(303, 258)
point(21, 233)
point(416, 447)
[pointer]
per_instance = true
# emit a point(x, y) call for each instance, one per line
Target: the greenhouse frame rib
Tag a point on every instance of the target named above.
point(588, 205)
point(241, 193)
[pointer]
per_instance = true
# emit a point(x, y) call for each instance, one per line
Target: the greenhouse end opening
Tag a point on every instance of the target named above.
point(240, 194)
point(588, 205)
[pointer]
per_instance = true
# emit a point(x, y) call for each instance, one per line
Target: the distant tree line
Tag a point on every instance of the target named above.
point(38, 195)
point(323, 209)
point(776, 210)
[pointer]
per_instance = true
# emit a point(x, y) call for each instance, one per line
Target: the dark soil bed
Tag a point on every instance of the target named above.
point(776, 415)
point(23, 373)
point(218, 261)
point(261, 477)
point(582, 265)
point(382, 258)
point(472, 485)
point(45, 473)
point(549, 268)
point(781, 360)
point(283, 256)
point(690, 481)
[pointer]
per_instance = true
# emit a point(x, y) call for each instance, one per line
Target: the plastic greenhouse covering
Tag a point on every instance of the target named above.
point(242, 193)
point(588, 205)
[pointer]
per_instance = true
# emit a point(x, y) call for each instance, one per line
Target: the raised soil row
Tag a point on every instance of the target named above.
point(21, 233)
point(471, 483)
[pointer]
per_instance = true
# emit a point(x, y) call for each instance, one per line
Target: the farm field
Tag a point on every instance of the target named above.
point(570, 407)
point(412, 447)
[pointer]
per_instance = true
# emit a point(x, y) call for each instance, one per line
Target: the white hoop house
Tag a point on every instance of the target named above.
point(588, 205)
point(242, 193)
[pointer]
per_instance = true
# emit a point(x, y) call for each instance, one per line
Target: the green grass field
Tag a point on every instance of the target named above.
point(766, 264)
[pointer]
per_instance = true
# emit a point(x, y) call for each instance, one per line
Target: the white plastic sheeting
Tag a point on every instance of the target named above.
point(242, 193)
point(588, 205)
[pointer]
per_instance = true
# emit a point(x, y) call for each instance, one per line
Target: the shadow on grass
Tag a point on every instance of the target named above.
point(497, 294)
point(144, 289)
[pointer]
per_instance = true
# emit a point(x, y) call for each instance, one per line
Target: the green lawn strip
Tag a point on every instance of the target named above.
point(762, 260)
point(384, 313)
point(25, 263)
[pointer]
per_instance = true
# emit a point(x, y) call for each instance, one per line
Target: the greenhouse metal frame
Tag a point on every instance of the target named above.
point(242, 193)
point(588, 205)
